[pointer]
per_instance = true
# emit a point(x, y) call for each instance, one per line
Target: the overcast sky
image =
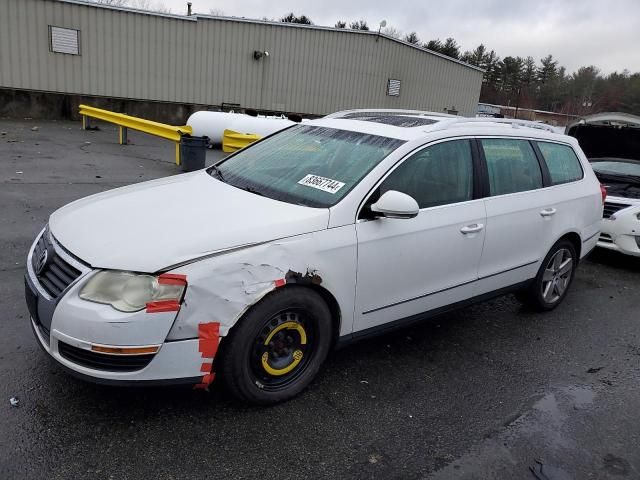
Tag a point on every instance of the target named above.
point(605, 33)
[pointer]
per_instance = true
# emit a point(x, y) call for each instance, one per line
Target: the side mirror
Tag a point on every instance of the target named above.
point(394, 204)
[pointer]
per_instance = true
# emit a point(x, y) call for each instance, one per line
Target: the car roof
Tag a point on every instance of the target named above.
point(411, 125)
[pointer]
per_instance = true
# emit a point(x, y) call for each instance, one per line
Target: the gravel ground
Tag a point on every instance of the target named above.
point(490, 391)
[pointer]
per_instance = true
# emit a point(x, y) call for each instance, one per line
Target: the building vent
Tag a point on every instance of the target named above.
point(393, 88)
point(64, 40)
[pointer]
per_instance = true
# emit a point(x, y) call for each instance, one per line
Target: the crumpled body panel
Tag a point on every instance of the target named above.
point(222, 288)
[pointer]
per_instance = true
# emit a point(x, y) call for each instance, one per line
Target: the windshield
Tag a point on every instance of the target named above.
point(616, 167)
point(306, 165)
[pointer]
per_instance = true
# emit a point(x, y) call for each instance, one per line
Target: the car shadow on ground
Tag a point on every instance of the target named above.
point(425, 349)
point(614, 259)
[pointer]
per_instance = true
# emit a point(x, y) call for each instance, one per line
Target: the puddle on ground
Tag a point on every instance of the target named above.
point(541, 427)
point(582, 396)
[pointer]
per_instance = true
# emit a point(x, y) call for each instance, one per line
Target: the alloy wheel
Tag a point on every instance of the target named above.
point(557, 275)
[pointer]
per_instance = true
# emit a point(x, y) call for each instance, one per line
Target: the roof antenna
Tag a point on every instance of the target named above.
point(383, 24)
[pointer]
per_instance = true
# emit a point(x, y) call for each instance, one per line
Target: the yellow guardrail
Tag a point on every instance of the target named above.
point(232, 140)
point(125, 122)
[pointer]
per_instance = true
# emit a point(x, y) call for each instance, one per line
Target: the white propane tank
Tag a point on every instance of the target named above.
point(213, 124)
point(259, 126)
point(210, 124)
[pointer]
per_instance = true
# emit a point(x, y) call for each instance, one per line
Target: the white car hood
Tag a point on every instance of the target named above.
point(153, 225)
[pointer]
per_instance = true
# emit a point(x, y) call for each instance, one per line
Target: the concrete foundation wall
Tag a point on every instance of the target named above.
point(18, 104)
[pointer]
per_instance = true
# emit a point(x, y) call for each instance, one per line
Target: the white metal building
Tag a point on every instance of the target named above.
point(80, 48)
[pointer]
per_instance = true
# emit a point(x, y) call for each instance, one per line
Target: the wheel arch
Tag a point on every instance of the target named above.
point(576, 240)
point(334, 308)
point(326, 295)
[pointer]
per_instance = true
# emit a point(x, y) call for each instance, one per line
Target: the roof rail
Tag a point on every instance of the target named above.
point(515, 123)
point(388, 111)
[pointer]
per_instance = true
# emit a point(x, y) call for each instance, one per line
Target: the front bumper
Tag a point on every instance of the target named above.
point(168, 366)
point(621, 232)
point(69, 328)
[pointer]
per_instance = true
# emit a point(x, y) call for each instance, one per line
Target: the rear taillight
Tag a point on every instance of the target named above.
point(603, 192)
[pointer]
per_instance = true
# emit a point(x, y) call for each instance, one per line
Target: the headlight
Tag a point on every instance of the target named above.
point(130, 292)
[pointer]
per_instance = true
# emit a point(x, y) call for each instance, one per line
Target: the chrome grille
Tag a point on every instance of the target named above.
point(53, 273)
point(610, 208)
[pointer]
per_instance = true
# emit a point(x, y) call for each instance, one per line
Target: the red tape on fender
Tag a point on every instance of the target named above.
point(172, 279)
point(209, 335)
point(280, 283)
point(163, 306)
point(169, 305)
point(209, 338)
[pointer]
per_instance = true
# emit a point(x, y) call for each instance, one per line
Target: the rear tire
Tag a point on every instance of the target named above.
point(277, 348)
point(553, 280)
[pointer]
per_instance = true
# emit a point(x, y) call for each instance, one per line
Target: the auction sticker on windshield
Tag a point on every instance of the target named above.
point(321, 183)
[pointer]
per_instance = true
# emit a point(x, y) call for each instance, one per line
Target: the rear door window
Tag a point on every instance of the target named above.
point(512, 165)
point(562, 162)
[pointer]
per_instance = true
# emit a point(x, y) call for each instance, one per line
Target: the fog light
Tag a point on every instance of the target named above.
point(638, 241)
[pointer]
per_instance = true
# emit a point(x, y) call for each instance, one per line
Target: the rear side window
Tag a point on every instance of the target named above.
point(512, 165)
point(562, 162)
point(438, 175)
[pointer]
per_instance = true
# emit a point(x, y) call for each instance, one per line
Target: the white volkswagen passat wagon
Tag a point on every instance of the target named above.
point(254, 268)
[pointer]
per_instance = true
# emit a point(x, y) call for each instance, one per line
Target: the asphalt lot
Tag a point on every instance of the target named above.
point(491, 391)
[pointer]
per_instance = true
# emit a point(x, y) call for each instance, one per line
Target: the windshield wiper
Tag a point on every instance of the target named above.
point(252, 190)
point(218, 173)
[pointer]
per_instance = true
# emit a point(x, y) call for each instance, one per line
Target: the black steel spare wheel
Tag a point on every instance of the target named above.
point(277, 348)
point(283, 349)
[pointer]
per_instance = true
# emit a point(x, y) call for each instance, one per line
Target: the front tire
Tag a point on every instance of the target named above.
point(554, 278)
point(277, 348)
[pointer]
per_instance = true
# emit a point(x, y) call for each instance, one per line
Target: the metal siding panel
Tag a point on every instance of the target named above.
point(200, 62)
point(173, 60)
point(225, 66)
point(236, 65)
point(136, 51)
point(13, 30)
point(207, 60)
point(6, 63)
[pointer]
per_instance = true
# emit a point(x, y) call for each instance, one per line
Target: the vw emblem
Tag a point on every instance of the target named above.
point(42, 262)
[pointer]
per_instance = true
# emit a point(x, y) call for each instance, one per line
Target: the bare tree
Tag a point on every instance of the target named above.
point(112, 3)
point(392, 32)
point(161, 8)
point(216, 12)
point(412, 38)
point(148, 5)
point(340, 24)
point(292, 18)
point(140, 4)
point(359, 25)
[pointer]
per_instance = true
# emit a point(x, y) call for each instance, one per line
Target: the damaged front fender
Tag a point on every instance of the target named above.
point(222, 288)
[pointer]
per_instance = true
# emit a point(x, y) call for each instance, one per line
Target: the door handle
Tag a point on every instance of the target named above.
point(474, 228)
point(547, 212)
